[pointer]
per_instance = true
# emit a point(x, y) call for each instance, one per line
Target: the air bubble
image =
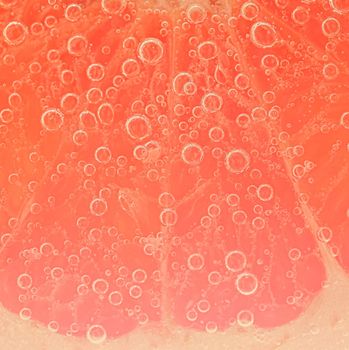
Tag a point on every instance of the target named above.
point(246, 283)
point(166, 199)
point(6, 116)
point(112, 7)
point(95, 72)
point(195, 262)
point(300, 15)
point(263, 35)
point(265, 192)
point(330, 71)
point(179, 82)
point(52, 119)
point(168, 217)
point(96, 334)
point(237, 161)
point(115, 298)
point(105, 114)
point(203, 306)
point(98, 207)
point(100, 286)
point(192, 154)
point(103, 155)
point(330, 27)
point(249, 11)
point(151, 51)
point(25, 313)
point(196, 14)
point(340, 6)
point(344, 120)
point(207, 50)
point(138, 127)
point(73, 12)
point(235, 261)
point(212, 102)
point(324, 234)
point(57, 273)
point(77, 45)
point(139, 276)
point(245, 318)
point(15, 33)
point(24, 281)
point(294, 254)
point(130, 68)
point(135, 292)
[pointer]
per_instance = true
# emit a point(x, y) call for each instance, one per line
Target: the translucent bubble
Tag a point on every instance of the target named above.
point(98, 206)
point(233, 199)
point(212, 102)
point(139, 276)
point(135, 292)
point(103, 155)
point(168, 217)
point(24, 281)
point(214, 210)
point(239, 217)
point(25, 313)
point(77, 45)
point(52, 119)
point(192, 154)
point(130, 68)
point(235, 261)
point(151, 51)
point(263, 35)
point(249, 11)
point(15, 33)
point(259, 114)
point(95, 72)
point(270, 61)
point(195, 262)
point(216, 134)
point(340, 6)
point(73, 12)
point(113, 7)
point(242, 81)
point(330, 71)
point(191, 315)
point(94, 95)
point(53, 326)
point(214, 278)
point(203, 306)
point(207, 50)
point(237, 161)
point(100, 286)
point(138, 127)
point(57, 273)
point(211, 327)
point(69, 102)
point(324, 234)
point(294, 254)
point(300, 15)
point(115, 298)
point(166, 199)
point(6, 115)
point(96, 334)
point(196, 14)
point(265, 192)
point(80, 137)
point(246, 283)
point(46, 249)
point(179, 82)
point(105, 114)
point(344, 120)
point(245, 318)
point(330, 27)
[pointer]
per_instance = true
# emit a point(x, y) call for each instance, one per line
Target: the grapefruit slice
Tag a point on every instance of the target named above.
point(170, 163)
